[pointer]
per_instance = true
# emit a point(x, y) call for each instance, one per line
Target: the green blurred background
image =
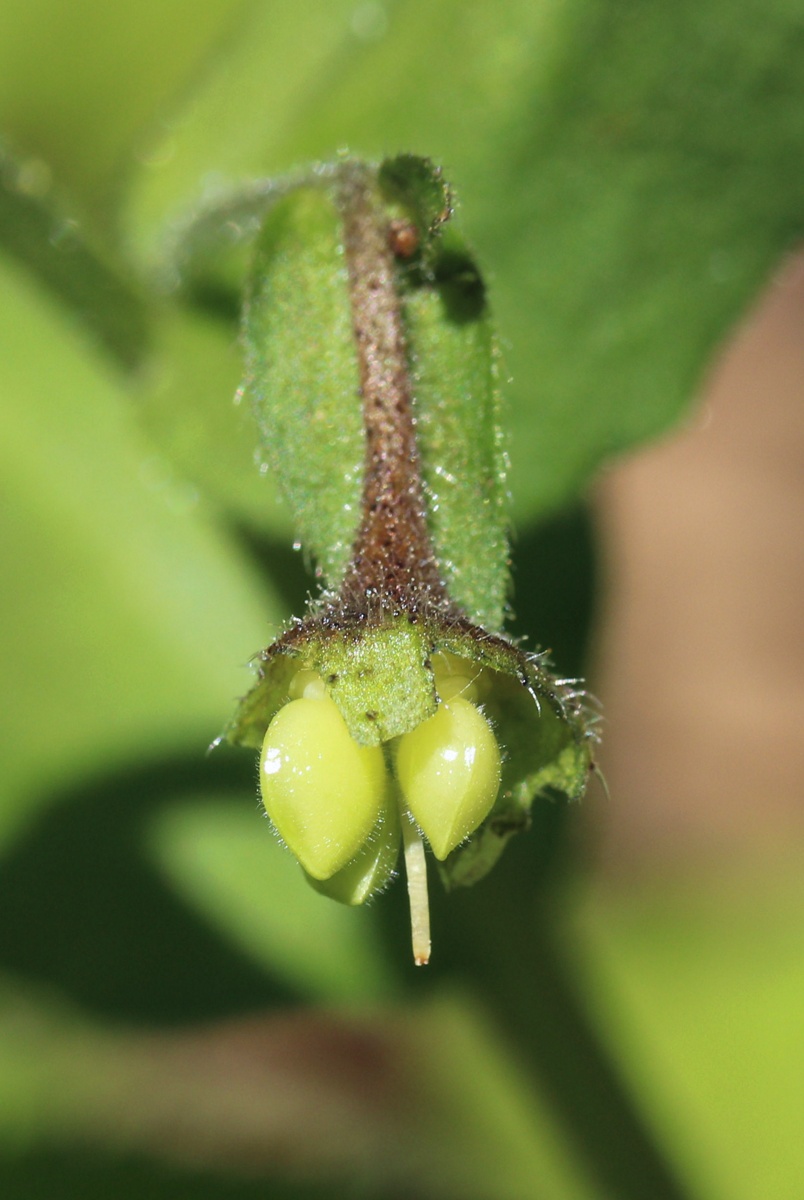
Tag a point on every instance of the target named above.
point(617, 1012)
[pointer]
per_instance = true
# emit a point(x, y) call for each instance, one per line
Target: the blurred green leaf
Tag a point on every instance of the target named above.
point(697, 981)
point(78, 82)
point(189, 404)
point(128, 619)
point(230, 865)
point(422, 1104)
point(84, 908)
point(628, 172)
point(54, 248)
point(269, 68)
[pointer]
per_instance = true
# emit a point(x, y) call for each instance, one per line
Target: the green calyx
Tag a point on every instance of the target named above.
point(458, 729)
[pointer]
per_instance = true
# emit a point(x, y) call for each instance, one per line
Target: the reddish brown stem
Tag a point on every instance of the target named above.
point(393, 564)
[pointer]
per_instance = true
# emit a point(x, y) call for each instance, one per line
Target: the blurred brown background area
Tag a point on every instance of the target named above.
point(700, 662)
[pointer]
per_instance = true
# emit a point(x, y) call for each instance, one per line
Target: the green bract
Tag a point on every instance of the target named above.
point(396, 708)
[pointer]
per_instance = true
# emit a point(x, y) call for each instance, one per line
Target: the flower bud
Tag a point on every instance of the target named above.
point(449, 772)
point(323, 791)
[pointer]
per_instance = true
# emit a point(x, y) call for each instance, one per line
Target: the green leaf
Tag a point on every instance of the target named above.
point(302, 377)
point(55, 97)
point(454, 359)
point(696, 979)
point(128, 619)
point(189, 405)
point(55, 248)
point(265, 70)
point(628, 173)
point(422, 192)
point(229, 864)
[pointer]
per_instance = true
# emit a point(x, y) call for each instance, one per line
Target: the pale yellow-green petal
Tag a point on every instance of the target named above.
point(449, 772)
point(373, 868)
point(323, 792)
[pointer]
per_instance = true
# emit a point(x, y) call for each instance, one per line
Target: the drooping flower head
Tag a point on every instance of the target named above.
point(396, 713)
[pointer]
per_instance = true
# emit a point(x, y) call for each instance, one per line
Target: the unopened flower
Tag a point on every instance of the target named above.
point(392, 716)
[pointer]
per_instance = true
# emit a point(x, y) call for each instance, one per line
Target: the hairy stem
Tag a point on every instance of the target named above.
point(393, 562)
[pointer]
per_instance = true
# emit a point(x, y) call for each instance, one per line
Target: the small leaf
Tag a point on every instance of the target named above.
point(421, 189)
point(303, 379)
point(302, 373)
point(454, 366)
